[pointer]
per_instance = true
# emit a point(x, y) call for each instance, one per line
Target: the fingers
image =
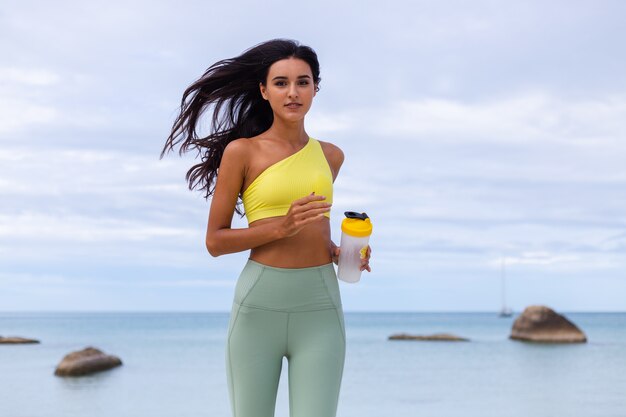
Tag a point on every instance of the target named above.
point(313, 213)
point(312, 205)
point(309, 198)
point(365, 265)
point(310, 217)
point(299, 207)
point(334, 254)
point(365, 261)
point(303, 211)
point(311, 210)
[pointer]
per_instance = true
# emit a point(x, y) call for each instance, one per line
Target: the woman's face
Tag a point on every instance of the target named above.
point(289, 80)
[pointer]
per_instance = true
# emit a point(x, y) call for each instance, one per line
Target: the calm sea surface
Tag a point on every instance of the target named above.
point(174, 366)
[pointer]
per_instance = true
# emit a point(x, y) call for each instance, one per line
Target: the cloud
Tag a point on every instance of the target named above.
point(24, 279)
point(531, 118)
point(28, 76)
point(16, 114)
point(77, 228)
point(32, 98)
point(464, 137)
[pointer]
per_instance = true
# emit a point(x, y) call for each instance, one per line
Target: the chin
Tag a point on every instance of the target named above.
point(293, 117)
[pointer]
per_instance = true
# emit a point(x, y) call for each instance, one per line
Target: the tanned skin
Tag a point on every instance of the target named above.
point(301, 238)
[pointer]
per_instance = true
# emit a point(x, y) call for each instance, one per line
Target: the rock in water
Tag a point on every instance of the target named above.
point(16, 340)
point(86, 361)
point(436, 337)
point(542, 324)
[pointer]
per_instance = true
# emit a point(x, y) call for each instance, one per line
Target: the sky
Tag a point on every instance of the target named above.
point(473, 132)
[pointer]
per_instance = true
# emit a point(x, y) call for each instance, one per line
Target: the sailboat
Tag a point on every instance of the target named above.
point(504, 311)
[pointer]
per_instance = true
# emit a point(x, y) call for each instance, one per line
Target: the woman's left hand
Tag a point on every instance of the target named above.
point(365, 262)
point(334, 253)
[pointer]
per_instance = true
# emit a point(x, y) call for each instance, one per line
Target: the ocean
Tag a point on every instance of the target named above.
point(174, 366)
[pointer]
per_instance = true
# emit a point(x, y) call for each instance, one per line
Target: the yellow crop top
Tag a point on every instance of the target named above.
point(291, 178)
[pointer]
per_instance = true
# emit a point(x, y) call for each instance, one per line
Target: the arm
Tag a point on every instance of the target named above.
point(335, 157)
point(220, 238)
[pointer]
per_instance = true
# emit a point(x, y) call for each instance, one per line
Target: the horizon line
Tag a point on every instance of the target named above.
point(495, 312)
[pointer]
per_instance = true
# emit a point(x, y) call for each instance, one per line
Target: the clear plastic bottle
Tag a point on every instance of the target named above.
point(356, 229)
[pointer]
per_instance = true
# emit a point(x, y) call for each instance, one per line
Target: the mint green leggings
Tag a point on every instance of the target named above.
point(292, 312)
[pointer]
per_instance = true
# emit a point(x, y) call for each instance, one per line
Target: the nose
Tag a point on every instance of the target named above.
point(293, 92)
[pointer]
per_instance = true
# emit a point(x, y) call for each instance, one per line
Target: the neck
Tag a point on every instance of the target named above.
point(293, 132)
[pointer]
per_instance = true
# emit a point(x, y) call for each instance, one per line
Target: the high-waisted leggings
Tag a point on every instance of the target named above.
point(285, 312)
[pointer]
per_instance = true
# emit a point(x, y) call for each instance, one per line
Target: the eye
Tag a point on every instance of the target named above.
point(282, 83)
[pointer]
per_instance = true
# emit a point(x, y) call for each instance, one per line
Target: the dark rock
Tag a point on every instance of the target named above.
point(436, 337)
point(13, 340)
point(86, 361)
point(542, 324)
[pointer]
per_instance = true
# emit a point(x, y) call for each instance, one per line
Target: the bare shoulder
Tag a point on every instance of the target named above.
point(238, 147)
point(236, 152)
point(332, 151)
point(249, 147)
point(334, 155)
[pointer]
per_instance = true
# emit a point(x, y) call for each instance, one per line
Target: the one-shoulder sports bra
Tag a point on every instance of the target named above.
point(291, 178)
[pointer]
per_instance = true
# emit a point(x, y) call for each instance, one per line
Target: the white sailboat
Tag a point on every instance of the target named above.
point(504, 311)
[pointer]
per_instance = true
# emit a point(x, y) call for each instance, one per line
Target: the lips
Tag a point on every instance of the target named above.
point(293, 105)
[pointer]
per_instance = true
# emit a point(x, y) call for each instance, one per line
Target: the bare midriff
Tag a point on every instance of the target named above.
point(309, 247)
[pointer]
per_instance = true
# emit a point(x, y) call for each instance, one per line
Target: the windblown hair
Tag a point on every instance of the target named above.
point(231, 87)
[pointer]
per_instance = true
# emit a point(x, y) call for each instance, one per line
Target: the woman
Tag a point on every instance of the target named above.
point(287, 301)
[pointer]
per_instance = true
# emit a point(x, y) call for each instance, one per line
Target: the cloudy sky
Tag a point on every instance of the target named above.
point(473, 132)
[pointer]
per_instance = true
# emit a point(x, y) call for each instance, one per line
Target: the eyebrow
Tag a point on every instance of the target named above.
point(282, 77)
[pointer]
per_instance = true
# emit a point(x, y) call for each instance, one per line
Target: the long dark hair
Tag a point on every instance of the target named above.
point(232, 87)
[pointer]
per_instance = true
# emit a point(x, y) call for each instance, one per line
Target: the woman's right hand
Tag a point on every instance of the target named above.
point(304, 211)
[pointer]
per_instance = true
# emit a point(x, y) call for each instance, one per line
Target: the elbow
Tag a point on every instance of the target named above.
point(211, 246)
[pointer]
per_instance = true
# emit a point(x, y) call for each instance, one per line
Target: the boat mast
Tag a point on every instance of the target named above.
point(503, 274)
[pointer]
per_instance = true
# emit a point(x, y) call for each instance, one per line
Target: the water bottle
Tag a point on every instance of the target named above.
point(356, 229)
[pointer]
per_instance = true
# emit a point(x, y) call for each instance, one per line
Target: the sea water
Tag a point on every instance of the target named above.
point(174, 366)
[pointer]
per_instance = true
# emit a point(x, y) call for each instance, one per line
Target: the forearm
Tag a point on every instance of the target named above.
point(227, 240)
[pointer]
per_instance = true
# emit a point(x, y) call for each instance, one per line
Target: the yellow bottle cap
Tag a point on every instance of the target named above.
point(356, 226)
